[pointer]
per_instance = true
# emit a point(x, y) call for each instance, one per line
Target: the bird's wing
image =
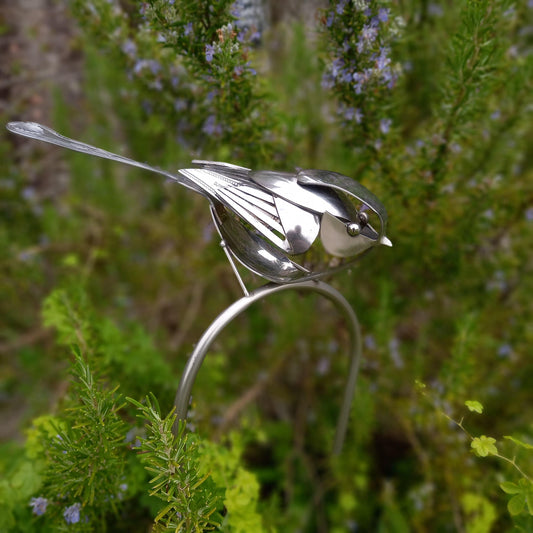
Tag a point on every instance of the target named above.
point(285, 225)
point(287, 186)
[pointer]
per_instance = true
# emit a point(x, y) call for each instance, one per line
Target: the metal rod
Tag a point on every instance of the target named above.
point(196, 359)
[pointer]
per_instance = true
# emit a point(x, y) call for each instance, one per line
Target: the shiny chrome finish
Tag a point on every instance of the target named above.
point(270, 220)
point(276, 224)
point(196, 359)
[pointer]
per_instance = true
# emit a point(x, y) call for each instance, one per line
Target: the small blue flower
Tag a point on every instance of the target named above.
point(72, 514)
point(348, 113)
point(152, 64)
point(327, 81)
point(340, 7)
point(383, 14)
point(435, 10)
point(336, 67)
point(129, 48)
point(369, 33)
point(505, 350)
point(39, 505)
point(323, 366)
point(529, 214)
point(388, 77)
point(209, 52)
point(383, 61)
point(188, 29)
point(384, 125)
point(211, 127)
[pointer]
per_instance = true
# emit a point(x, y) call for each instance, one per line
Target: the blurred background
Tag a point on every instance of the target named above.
point(428, 104)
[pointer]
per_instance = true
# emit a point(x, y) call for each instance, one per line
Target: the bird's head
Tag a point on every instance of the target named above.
point(347, 238)
point(355, 224)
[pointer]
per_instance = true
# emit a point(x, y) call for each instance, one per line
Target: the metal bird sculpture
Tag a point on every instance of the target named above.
point(276, 224)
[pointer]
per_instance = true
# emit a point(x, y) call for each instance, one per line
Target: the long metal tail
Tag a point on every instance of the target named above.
point(43, 133)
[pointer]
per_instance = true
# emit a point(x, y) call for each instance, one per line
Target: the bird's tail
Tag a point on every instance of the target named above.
point(43, 133)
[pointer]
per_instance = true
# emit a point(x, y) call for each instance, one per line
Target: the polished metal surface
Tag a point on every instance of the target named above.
point(289, 228)
point(196, 359)
point(283, 226)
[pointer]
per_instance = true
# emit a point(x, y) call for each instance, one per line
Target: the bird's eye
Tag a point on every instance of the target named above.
point(353, 229)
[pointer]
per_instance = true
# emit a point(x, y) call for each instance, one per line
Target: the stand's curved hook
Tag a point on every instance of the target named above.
point(197, 357)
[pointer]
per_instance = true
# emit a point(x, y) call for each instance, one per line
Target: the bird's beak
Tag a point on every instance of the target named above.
point(385, 241)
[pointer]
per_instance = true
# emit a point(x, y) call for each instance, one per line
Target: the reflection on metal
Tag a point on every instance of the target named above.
point(283, 226)
point(196, 359)
point(289, 228)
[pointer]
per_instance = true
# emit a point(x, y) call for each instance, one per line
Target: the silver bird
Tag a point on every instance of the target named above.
point(283, 226)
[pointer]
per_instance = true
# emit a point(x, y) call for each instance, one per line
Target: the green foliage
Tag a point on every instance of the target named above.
point(241, 494)
point(127, 353)
point(522, 496)
point(474, 406)
point(483, 446)
point(482, 513)
point(429, 105)
point(86, 459)
point(192, 63)
point(190, 499)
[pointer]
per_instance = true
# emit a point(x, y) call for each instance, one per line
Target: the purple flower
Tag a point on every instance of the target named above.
point(29, 194)
point(235, 10)
point(152, 64)
point(435, 10)
point(340, 7)
point(336, 67)
point(505, 350)
point(188, 29)
point(529, 214)
point(209, 52)
point(211, 127)
point(180, 104)
point(388, 77)
point(370, 342)
point(383, 61)
point(255, 37)
point(394, 351)
point(72, 514)
point(369, 33)
point(129, 47)
point(39, 505)
point(327, 81)
point(348, 113)
point(383, 14)
point(361, 79)
point(323, 366)
point(384, 125)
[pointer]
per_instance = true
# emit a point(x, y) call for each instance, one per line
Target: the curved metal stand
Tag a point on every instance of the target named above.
point(197, 357)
